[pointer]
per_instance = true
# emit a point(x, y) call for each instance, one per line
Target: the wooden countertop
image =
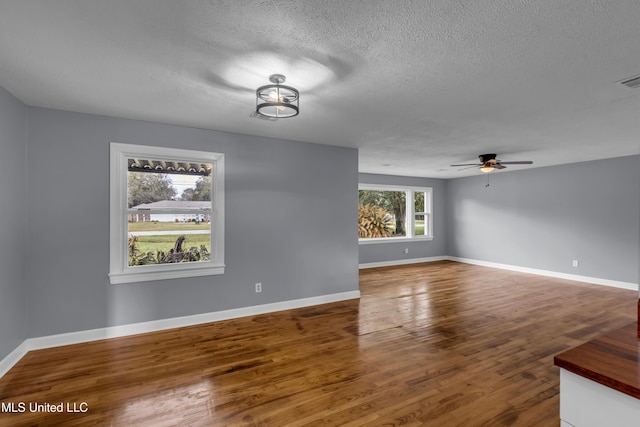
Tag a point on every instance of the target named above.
point(612, 360)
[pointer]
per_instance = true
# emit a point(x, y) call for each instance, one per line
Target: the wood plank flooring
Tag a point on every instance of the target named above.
point(435, 344)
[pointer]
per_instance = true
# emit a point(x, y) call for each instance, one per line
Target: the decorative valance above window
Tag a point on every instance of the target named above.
point(161, 166)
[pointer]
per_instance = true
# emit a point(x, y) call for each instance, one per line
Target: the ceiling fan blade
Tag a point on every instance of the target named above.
point(498, 166)
point(469, 167)
point(523, 162)
point(468, 164)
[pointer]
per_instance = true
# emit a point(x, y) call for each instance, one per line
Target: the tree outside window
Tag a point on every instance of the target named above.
point(377, 205)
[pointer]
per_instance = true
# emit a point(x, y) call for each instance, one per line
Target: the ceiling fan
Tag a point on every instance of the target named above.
point(488, 163)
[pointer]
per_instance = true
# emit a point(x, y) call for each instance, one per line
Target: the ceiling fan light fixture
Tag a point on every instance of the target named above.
point(488, 163)
point(277, 100)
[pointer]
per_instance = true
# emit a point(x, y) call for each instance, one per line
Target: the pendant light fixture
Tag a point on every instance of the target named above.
point(277, 100)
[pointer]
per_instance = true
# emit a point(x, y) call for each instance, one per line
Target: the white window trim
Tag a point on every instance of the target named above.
point(410, 214)
point(119, 270)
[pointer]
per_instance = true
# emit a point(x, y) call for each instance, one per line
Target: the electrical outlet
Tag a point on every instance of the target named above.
point(406, 250)
point(258, 287)
point(575, 262)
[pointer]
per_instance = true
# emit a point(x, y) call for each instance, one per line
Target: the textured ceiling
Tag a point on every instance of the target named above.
point(414, 85)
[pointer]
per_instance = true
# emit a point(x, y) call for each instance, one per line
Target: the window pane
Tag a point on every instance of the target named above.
point(420, 226)
point(381, 214)
point(163, 246)
point(169, 217)
point(150, 187)
point(418, 202)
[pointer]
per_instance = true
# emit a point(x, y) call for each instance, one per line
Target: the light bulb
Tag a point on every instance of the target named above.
point(273, 97)
point(486, 168)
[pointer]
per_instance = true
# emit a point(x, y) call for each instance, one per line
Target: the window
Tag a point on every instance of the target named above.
point(166, 213)
point(389, 212)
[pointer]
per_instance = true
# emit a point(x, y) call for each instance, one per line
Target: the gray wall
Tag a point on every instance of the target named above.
point(394, 251)
point(290, 223)
point(290, 211)
point(13, 164)
point(546, 217)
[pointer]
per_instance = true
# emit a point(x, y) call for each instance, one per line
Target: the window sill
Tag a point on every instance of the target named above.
point(155, 274)
point(394, 239)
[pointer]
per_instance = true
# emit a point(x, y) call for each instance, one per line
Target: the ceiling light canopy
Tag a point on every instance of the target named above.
point(277, 100)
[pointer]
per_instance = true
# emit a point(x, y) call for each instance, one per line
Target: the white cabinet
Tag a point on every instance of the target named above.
point(585, 403)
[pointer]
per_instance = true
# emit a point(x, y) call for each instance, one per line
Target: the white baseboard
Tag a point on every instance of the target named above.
point(548, 273)
point(158, 325)
point(402, 262)
point(13, 358)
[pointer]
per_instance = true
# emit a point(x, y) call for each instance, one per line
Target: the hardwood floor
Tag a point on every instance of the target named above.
point(437, 344)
